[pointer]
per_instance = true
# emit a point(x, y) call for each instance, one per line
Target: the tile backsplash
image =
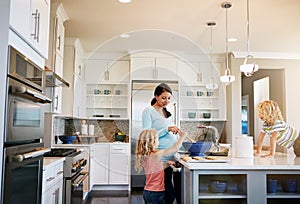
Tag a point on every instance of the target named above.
point(104, 129)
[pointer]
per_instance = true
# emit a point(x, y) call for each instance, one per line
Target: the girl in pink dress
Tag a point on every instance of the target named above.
point(148, 157)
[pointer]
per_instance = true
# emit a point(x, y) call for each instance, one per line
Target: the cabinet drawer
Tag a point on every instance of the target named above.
point(119, 149)
point(59, 171)
point(48, 177)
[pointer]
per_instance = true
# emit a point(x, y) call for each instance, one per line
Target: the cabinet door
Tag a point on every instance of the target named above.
point(119, 169)
point(78, 97)
point(58, 65)
point(118, 71)
point(39, 25)
point(189, 73)
point(95, 70)
point(143, 68)
point(100, 163)
point(57, 100)
point(59, 37)
point(20, 17)
point(166, 68)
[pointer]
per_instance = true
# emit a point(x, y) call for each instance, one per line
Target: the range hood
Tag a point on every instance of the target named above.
point(53, 80)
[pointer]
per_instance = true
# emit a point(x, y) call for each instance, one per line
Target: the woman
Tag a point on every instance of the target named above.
point(158, 117)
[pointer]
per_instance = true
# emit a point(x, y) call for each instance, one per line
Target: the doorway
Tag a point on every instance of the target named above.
point(276, 88)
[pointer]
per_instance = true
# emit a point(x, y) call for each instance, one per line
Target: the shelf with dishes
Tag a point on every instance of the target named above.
point(201, 104)
point(107, 100)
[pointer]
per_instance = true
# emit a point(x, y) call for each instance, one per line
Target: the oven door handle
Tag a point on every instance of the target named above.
point(85, 175)
point(21, 157)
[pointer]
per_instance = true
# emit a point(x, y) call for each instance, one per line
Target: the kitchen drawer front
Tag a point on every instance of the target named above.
point(119, 149)
point(59, 171)
point(48, 177)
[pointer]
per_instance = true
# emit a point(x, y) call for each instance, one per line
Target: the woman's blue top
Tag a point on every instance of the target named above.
point(152, 119)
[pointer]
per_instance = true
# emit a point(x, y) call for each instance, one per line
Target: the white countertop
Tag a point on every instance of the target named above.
point(281, 161)
point(49, 161)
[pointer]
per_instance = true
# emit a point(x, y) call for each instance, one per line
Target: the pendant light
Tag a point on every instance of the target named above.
point(227, 78)
point(248, 69)
point(211, 85)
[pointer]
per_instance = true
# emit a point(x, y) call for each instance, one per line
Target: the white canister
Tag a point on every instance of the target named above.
point(91, 129)
point(244, 146)
point(84, 129)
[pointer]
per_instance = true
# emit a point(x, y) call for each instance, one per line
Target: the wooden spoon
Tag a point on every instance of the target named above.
point(189, 138)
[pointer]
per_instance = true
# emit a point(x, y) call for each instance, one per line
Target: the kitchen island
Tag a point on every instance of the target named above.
point(246, 179)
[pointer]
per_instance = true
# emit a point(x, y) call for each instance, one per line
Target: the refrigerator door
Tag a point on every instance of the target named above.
point(142, 94)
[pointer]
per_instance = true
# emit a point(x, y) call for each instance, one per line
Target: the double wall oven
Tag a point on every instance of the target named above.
point(23, 138)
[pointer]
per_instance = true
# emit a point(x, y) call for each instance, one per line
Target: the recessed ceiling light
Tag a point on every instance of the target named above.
point(124, 35)
point(125, 1)
point(232, 39)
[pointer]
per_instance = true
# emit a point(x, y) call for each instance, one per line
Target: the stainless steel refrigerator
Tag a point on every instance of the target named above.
point(142, 94)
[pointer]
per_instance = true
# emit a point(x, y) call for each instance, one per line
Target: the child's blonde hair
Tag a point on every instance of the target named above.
point(146, 144)
point(269, 111)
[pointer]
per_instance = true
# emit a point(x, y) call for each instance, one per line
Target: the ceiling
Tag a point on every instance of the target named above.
point(177, 25)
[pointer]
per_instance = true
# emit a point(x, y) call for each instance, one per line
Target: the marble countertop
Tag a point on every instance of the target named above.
point(280, 161)
point(49, 161)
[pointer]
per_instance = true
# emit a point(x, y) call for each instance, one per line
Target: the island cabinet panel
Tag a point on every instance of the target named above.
point(249, 186)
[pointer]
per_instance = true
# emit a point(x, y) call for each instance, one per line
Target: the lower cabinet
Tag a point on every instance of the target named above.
point(110, 164)
point(242, 186)
point(52, 188)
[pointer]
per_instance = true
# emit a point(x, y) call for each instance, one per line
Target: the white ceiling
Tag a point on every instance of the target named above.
point(180, 25)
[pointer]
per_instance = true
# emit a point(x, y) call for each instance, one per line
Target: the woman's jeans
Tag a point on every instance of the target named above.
point(154, 197)
point(172, 191)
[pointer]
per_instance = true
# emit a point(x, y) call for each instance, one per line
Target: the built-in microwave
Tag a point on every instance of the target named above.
point(24, 70)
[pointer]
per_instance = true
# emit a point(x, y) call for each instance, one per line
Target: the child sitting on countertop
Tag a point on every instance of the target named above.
point(279, 131)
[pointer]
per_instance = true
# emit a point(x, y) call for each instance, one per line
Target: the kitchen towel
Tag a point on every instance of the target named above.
point(244, 146)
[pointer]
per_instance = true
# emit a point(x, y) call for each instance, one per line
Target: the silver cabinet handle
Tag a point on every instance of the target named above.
point(35, 17)
point(50, 179)
point(38, 28)
point(60, 172)
point(56, 103)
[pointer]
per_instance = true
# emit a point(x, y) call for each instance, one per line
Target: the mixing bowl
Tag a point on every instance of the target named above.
point(197, 148)
point(67, 139)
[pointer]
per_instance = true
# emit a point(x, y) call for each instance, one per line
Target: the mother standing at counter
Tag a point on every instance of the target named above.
point(158, 117)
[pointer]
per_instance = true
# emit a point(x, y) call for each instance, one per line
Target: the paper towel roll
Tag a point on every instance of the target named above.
point(244, 146)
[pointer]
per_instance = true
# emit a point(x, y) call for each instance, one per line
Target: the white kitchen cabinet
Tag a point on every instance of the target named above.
point(99, 163)
point(119, 164)
point(29, 19)
point(98, 70)
point(52, 188)
point(110, 164)
point(153, 67)
point(74, 96)
point(107, 100)
point(56, 38)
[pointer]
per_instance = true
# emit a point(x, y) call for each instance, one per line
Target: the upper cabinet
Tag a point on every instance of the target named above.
point(74, 96)
point(29, 19)
point(153, 66)
point(56, 38)
point(98, 70)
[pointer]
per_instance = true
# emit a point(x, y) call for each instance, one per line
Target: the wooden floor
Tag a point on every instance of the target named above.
point(115, 197)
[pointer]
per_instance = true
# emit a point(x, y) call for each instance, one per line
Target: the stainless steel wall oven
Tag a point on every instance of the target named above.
point(23, 138)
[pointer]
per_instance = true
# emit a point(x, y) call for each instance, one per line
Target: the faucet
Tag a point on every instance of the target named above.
point(216, 136)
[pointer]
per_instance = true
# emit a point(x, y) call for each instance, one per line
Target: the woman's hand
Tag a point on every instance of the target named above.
point(173, 129)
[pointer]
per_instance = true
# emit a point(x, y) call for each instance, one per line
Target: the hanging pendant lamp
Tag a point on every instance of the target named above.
point(211, 85)
point(248, 69)
point(227, 78)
